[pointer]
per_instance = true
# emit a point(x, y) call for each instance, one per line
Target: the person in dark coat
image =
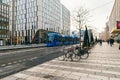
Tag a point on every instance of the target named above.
point(108, 41)
point(100, 42)
point(111, 42)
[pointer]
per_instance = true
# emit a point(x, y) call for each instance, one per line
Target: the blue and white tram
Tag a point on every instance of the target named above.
point(76, 40)
point(66, 40)
point(54, 39)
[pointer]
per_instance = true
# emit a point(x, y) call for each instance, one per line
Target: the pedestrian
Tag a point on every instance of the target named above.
point(100, 41)
point(119, 46)
point(111, 42)
point(108, 41)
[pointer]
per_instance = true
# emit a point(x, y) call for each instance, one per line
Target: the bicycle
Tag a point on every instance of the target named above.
point(62, 53)
point(74, 54)
point(66, 54)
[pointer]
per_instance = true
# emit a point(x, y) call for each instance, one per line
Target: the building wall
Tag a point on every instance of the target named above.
point(114, 16)
point(105, 34)
point(4, 24)
point(39, 14)
point(51, 15)
point(65, 20)
point(25, 20)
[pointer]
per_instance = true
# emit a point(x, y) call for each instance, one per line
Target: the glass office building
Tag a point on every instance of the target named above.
point(51, 14)
point(65, 21)
point(4, 24)
point(32, 15)
point(24, 20)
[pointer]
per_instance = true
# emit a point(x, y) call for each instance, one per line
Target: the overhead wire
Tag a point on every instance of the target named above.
point(103, 5)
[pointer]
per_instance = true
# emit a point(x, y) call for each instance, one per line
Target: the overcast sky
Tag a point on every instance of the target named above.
point(99, 11)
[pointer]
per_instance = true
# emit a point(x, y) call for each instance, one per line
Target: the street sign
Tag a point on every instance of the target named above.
point(118, 24)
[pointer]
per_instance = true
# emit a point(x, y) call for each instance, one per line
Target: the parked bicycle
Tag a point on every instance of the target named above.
point(66, 54)
point(74, 54)
point(80, 53)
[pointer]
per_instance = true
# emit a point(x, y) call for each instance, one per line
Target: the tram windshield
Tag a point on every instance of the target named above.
point(50, 37)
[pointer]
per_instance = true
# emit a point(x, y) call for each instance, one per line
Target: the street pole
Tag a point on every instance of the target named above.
point(79, 29)
point(13, 26)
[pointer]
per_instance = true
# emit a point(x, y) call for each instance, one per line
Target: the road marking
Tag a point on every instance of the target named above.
point(3, 65)
point(14, 62)
point(0, 70)
point(24, 59)
point(33, 58)
point(19, 60)
point(9, 63)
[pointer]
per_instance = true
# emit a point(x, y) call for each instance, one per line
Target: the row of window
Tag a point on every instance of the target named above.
point(4, 15)
point(30, 2)
point(5, 1)
point(4, 11)
point(25, 33)
point(3, 27)
point(53, 2)
point(4, 19)
point(28, 15)
point(25, 9)
point(26, 26)
point(3, 36)
point(8, 3)
point(22, 21)
point(4, 7)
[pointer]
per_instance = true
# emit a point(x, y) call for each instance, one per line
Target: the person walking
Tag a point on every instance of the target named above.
point(111, 42)
point(108, 41)
point(119, 46)
point(100, 42)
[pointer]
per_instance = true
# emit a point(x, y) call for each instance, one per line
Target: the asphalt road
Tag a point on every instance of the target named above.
point(15, 61)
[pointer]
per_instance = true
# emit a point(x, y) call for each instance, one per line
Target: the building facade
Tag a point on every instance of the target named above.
point(4, 24)
point(32, 15)
point(113, 18)
point(51, 14)
point(65, 20)
point(106, 35)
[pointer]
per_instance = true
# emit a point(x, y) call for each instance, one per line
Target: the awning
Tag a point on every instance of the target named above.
point(115, 31)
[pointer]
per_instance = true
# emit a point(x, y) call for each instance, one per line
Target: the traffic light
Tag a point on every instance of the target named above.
point(118, 24)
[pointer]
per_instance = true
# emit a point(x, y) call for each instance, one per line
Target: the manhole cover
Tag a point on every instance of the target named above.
point(48, 76)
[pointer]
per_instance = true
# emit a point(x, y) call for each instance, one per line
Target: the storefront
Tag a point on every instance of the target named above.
point(116, 34)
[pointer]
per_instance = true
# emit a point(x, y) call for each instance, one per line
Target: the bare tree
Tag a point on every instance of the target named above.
point(80, 17)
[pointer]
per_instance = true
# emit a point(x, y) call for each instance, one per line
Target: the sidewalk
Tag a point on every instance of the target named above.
point(20, 46)
point(102, 64)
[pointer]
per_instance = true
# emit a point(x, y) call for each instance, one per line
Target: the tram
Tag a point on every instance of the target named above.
point(66, 40)
point(54, 39)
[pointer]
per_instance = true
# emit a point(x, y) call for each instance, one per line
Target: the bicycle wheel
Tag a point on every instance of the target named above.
point(62, 55)
point(76, 57)
point(85, 54)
